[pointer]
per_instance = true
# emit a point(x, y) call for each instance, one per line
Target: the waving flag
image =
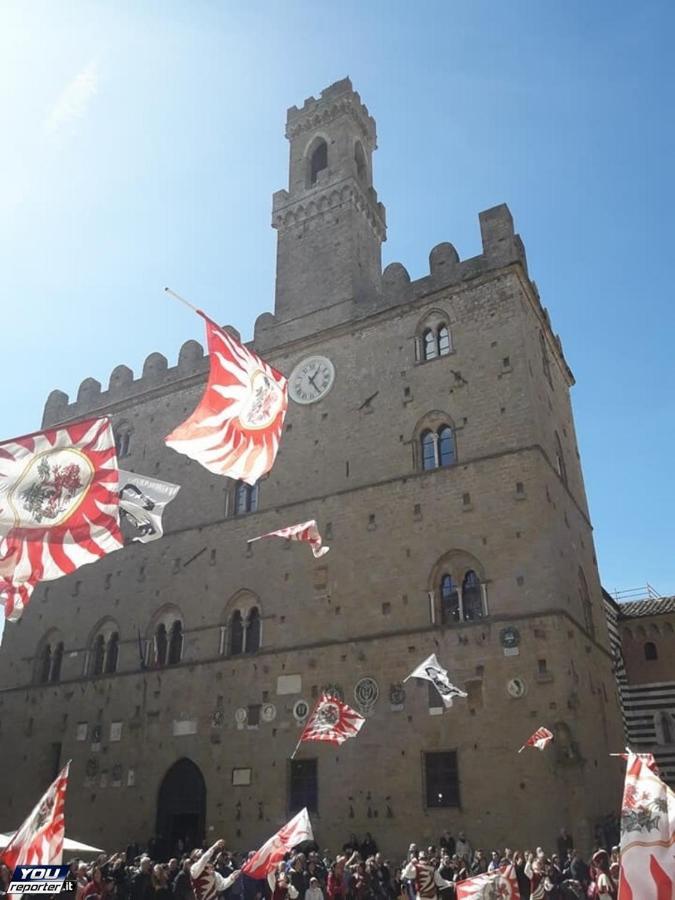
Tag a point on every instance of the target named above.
point(647, 835)
point(332, 721)
point(142, 502)
point(40, 838)
point(273, 851)
point(59, 506)
point(499, 885)
point(236, 428)
point(307, 531)
point(540, 739)
point(431, 670)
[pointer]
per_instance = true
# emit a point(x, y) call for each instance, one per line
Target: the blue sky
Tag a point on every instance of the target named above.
point(142, 143)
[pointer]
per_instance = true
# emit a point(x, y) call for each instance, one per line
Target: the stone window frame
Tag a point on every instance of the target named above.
point(107, 632)
point(560, 466)
point(122, 432)
point(312, 179)
point(651, 652)
point(165, 618)
point(456, 564)
point(245, 603)
point(432, 423)
point(433, 322)
point(49, 658)
point(252, 503)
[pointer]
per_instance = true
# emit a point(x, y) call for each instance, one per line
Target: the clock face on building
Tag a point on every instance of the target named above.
point(311, 379)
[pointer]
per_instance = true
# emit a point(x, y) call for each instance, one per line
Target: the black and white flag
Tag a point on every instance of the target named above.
point(142, 502)
point(431, 670)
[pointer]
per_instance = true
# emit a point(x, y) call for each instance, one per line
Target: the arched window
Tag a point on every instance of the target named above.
point(161, 644)
point(449, 601)
point(57, 659)
point(429, 345)
point(446, 446)
point(245, 498)
point(360, 159)
point(236, 634)
point(472, 597)
point(428, 442)
point(651, 653)
point(175, 643)
point(443, 338)
point(122, 432)
point(560, 459)
point(98, 656)
point(253, 631)
point(545, 364)
point(318, 161)
point(586, 605)
point(112, 653)
point(44, 664)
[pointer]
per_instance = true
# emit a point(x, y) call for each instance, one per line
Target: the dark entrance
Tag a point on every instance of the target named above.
point(181, 807)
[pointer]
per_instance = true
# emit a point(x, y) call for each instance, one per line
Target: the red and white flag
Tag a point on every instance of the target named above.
point(647, 835)
point(59, 506)
point(236, 428)
point(332, 721)
point(273, 851)
point(39, 841)
point(540, 739)
point(306, 531)
point(499, 885)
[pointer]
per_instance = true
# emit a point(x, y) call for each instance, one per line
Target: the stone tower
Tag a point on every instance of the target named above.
point(440, 461)
point(329, 222)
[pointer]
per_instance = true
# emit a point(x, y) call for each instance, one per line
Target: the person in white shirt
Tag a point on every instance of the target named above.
point(463, 847)
point(426, 877)
point(314, 891)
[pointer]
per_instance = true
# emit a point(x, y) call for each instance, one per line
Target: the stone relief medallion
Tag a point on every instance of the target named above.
point(516, 688)
point(509, 637)
point(91, 767)
point(217, 718)
point(300, 710)
point(366, 693)
point(241, 715)
point(268, 713)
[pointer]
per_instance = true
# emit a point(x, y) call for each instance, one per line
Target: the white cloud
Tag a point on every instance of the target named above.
point(74, 99)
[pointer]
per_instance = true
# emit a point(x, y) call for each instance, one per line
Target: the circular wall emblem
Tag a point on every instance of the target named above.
point(50, 489)
point(268, 713)
point(366, 693)
point(241, 715)
point(509, 637)
point(516, 687)
point(333, 690)
point(300, 710)
point(396, 694)
point(217, 718)
point(263, 404)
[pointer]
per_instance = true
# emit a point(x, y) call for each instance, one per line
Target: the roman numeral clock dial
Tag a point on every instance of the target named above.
point(311, 379)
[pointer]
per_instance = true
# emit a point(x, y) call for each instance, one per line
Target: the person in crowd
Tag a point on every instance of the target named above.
point(447, 842)
point(425, 876)
point(463, 847)
point(281, 885)
point(297, 874)
point(314, 891)
point(479, 864)
point(95, 887)
point(182, 884)
point(368, 847)
point(605, 888)
point(141, 882)
point(565, 844)
point(495, 861)
point(206, 881)
point(160, 883)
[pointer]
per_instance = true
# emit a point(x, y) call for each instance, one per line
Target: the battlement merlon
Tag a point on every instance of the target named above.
point(338, 99)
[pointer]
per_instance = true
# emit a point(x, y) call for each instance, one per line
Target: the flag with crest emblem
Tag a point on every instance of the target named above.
point(39, 841)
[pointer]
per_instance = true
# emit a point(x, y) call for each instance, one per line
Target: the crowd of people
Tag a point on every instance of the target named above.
point(358, 872)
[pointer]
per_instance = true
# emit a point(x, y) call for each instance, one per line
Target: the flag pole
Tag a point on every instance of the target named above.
point(297, 746)
point(183, 300)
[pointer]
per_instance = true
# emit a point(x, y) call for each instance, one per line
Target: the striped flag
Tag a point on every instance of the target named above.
point(272, 852)
point(236, 428)
point(647, 835)
point(501, 884)
point(332, 721)
point(39, 841)
point(540, 739)
point(59, 506)
point(306, 531)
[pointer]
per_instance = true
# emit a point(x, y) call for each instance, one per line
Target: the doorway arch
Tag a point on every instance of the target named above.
point(181, 806)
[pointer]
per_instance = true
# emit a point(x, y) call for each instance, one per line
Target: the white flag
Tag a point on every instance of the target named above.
point(306, 531)
point(142, 502)
point(431, 670)
point(271, 853)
